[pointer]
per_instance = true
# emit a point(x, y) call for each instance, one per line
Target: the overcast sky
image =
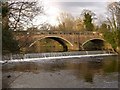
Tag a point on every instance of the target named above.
point(75, 8)
point(54, 7)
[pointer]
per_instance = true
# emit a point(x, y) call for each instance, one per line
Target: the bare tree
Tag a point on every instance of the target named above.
point(114, 15)
point(66, 21)
point(16, 15)
point(79, 25)
point(114, 22)
point(22, 13)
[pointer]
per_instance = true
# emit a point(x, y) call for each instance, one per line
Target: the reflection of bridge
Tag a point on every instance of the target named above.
point(70, 40)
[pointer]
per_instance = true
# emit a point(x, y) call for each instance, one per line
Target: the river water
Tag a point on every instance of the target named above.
point(89, 72)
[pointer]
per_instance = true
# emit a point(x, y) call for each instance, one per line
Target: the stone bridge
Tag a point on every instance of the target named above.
point(70, 40)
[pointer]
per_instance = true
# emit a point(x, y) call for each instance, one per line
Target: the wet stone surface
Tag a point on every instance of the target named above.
point(92, 72)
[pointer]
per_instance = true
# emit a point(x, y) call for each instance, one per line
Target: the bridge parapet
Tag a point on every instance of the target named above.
point(48, 32)
point(66, 33)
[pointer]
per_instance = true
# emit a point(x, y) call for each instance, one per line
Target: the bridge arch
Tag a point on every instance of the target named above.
point(64, 42)
point(95, 44)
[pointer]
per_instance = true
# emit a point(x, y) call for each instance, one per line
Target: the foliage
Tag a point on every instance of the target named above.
point(68, 22)
point(16, 15)
point(4, 9)
point(118, 36)
point(9, 45)
point(88, 18)
point(111, 27)
point(103, 28)
point(113, 35)
point(109, 37)
point(88, 22)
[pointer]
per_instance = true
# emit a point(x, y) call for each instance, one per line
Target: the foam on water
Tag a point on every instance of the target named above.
point(57, 57)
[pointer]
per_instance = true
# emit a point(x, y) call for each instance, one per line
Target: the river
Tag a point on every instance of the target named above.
point(85, 72)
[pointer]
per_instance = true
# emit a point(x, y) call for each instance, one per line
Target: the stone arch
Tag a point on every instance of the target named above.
point(98, 43)
point(65, 43)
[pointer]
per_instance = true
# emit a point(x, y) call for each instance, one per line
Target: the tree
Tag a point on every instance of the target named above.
point(87, 22)
point(66, 21)
point(114, 22)
point(79, 25)
point(22, 13)
point(114, 15)
point(88, 18)
point(45, 26)
point(15, 15)
point(104, 28)
point(9, 45)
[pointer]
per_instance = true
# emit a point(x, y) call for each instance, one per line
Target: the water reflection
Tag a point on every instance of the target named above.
point(84, 68)
point(22, 67)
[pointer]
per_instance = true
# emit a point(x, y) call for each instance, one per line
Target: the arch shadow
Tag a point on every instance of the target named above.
point(65, 43)
point(94, 44)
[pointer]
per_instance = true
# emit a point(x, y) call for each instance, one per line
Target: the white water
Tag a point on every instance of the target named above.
point(54, 57)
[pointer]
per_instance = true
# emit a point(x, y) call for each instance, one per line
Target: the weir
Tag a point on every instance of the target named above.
point(55, 55)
